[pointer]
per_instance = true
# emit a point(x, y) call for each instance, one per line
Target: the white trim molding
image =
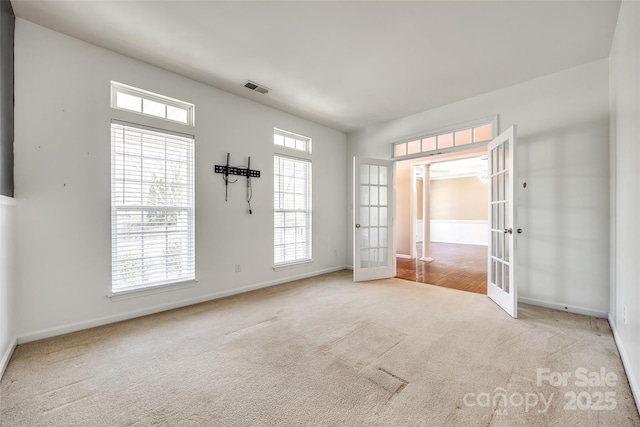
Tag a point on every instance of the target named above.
point(626, 364)
point(562, 307)
point(150, 290)
point(6, 357)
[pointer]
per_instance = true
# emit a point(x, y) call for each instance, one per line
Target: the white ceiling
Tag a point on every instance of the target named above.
point(347, 65)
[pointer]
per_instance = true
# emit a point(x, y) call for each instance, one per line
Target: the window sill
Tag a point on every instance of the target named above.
point(291, 265)
point(8, 201)
point(150, 290)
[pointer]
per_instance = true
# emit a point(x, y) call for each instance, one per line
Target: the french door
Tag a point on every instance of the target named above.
point(373, 206)
point(501, 276)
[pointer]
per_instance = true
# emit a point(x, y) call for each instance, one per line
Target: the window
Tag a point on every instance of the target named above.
point(152, 207)
point(292, 210)
point(291, 140)
point(467, 135)
point(140, 101)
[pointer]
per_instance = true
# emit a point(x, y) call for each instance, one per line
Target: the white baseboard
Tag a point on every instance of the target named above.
point(92, 323)
point(626, 364)
point(561, 307)
point(6, 357)
point(460, 242)
point(403, 256)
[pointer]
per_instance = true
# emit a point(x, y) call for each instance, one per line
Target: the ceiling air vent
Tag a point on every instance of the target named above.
point(256, 87)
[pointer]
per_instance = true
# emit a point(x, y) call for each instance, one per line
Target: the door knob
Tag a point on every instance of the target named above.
point(508, 231)
point(357, 225)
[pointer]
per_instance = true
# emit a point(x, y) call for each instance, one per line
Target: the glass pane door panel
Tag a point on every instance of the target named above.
point(374, 175)
point(364, 216)
point(506, 278)
point(373, 258)
point(494, 263)
point(364, 238)
point(383, 216)
point(364, 194)
point(383, 257)
point(364, 258)
point(383, 236)
point(506, 247)
point(364, 174)
point(373, 218)
point(373, 239)
point(383, 175)
point(373, 191)
point(383, 196)
point(506, 214)
point(506, 155)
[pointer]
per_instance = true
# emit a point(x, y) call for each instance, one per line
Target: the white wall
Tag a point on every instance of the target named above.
point(625, 231)
point(462, 231)
point(62, 166)
point(563, 127)
point(7, 284)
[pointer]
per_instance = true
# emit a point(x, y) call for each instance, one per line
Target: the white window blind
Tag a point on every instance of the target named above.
point(152, 207)
point(292, 210)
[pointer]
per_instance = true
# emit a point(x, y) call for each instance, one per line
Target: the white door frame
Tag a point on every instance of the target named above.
point(456, 155)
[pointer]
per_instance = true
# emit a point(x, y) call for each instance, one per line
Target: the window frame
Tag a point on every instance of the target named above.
point(297, 137)
point(282, 152)
point(188, 230)
point(117, 87)
point(434, 133)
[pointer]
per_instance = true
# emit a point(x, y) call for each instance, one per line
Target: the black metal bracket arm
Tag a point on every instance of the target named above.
point(227, 170)
point(233, 170)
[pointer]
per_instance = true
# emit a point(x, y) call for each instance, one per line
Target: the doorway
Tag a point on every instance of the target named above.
point(455, 213)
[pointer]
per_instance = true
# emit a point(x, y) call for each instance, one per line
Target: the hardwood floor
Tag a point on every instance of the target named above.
point(455, 266)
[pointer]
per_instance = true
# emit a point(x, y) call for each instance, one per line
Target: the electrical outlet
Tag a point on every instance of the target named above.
point(238, 268)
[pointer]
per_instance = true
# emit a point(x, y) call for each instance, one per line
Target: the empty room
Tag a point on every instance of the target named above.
point(199, 223)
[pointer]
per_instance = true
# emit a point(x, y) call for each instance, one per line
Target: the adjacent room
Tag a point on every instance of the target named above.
point(453, 252)
point(200, 222)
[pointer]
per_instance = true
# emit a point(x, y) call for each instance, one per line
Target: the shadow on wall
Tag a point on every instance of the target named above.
point(564, 212)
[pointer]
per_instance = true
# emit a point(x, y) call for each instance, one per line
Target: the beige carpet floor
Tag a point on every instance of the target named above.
point(327, 351)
